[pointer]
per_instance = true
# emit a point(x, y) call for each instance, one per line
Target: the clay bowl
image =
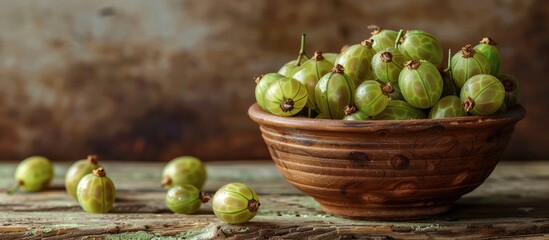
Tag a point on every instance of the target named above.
point(390, 170)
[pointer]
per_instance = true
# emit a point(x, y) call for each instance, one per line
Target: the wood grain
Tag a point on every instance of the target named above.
point(512, 203)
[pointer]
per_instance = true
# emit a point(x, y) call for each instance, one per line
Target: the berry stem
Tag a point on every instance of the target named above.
point(92, 159)
point(204, 197)
point(301, 50)
point(468, 104)
point(15, 188)
point(253, 205)
point(399, 36)
point(166, 181)
point(100, 172)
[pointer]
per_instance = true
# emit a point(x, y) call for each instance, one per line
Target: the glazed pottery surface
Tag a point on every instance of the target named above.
point(386, 169)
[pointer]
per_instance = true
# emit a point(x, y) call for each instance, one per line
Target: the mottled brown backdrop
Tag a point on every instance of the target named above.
point(150, 80)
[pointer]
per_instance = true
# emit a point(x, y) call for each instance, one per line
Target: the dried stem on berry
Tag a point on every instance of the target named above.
point(387, 88)
point(468, 104)
point(386, 57)
point(338, 69)
point(92, 159)
point(258, 78)
point(467, 51)
point(100, 172)
point(487, 40)
point(375, 29)
point(204, 197)
point(318, 56)
point(287, 105)
point(412, 64)
point(253, 205)
point(349, 109)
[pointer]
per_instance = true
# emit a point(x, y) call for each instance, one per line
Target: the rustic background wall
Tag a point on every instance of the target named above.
point(149, 80)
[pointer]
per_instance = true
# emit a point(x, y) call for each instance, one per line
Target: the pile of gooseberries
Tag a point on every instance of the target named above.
point(184, 178)
point(393, 75)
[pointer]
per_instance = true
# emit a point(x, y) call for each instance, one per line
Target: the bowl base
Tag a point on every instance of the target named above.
point(386, 213)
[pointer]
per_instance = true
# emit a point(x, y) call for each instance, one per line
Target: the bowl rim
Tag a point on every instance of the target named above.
point(258, 115)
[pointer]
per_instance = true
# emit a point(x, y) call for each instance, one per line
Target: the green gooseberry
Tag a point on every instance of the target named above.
point(382, 38)
point(330, 57)
point(447, 107)
point(487, 47)
point(420, 83)
point(185, 199)
point(289, 68)
point(96, 192)
point(387, 65)
point(356, 60)
point(77, 171)
point(512, 89)
point(263, 82)
point(310, 72)
point(371, 97)
point(235, 203)
point(482, 94)
point(333, 92)
point(352, 113)
point(419, 45)
point(286, 97)
point(184, 170)
point(32, 174)
point(399, 110)
point(468, 63)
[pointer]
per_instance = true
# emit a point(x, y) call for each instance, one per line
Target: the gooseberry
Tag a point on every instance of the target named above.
point(263, 82)
point(382, 38)
point(77, 171)
point(286, 97)
point(310, 72)
point(420, 83)
point(447, 107)
point(399, 110)
point(333, 92)
point(184, 170)
point(235, 203)
point(96, 192)
point(468, 63)
point(356, 60)
point(482, 94)
point(512, 89)
point(419, 45)
point(32, 174)
point(487, 47)
point(371, 97)
point(185, 199)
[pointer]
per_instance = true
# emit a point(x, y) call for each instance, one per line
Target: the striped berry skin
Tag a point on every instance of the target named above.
point(487, 47)
point(357, 62)
point(286, 97)
point(420, 83)
point(447, 107)
point(467, 63)
point(235, 203)
point(333, 92)
point(400, 110)
point(482, 95)
point(96, 192)
point(420, 45)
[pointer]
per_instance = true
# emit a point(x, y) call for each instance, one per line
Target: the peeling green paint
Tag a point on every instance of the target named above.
point(140, 235)
point(47, 230)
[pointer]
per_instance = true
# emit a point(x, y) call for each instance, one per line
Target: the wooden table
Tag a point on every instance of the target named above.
point(513, 202)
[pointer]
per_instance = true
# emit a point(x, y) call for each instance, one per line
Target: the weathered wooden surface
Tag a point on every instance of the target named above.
point(512, 203)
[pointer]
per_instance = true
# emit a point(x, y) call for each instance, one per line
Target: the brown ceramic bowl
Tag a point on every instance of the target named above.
point(398, 169)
